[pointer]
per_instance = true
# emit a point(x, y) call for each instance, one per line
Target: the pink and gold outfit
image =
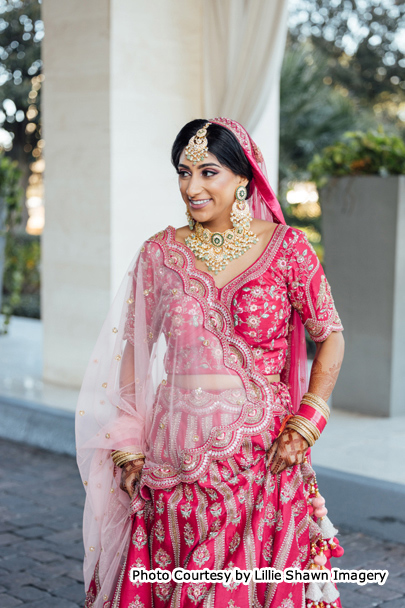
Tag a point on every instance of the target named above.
point(179, 373)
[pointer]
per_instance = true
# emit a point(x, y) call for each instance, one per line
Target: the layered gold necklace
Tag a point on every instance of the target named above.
point(217, 249)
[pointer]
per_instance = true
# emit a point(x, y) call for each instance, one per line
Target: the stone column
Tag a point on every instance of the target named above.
point(267, 135)
point(121, 78)
point(363, 228)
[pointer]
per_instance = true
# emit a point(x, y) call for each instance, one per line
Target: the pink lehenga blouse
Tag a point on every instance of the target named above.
point(186, 378)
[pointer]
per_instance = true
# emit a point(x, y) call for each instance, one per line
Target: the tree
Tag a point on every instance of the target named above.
point(312, 114)
point(21, 32)
point(362, 41)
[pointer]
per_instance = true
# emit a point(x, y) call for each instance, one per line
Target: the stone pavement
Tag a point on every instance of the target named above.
point(41, 502)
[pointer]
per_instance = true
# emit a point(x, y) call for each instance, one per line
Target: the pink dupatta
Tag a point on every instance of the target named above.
point(265, 206)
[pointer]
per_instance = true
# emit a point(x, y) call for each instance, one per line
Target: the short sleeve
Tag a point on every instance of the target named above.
point(308, 289)
point(144, 265)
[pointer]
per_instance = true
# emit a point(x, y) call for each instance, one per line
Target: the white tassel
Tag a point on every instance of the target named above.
point(329, 593)
point(327, 528)
point(313, 592)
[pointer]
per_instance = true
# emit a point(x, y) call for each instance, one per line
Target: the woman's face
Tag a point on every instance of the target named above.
point(208, 189)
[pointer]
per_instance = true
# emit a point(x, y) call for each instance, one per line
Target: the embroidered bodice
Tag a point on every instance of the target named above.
point(260, 300)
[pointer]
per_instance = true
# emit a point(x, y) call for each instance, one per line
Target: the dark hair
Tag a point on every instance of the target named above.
point(222, 143)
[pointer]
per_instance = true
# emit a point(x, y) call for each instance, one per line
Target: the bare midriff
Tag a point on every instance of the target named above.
point(211, 381)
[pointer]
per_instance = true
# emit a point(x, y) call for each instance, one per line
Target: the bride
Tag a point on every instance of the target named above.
point(195, 419)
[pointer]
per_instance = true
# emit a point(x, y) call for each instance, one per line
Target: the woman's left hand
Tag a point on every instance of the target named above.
point(287, 450)
point(131, 472)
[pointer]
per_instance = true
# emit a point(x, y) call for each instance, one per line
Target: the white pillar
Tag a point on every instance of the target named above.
point(156, 80)
point(121, 78)
point(267, 134)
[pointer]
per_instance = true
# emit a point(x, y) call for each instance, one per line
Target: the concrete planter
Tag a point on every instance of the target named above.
point(364, 236)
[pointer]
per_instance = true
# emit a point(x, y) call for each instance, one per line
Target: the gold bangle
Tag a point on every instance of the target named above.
point(123, 462)
point(130, 460)
point(305, 428)
point(319, 406)
point(118, 453)
point(120, 458)
point(126, 459)
point(309, 425)
point(316, 399)
point(304, 433)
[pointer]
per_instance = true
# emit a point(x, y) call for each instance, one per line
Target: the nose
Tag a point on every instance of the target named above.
point(194, 186)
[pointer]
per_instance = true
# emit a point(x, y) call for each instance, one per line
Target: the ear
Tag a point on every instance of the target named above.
point(243, 181)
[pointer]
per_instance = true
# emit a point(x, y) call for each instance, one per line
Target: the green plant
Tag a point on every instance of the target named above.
point(359, 153)
point(10, 190)
point(23, 255)
point(11, 195)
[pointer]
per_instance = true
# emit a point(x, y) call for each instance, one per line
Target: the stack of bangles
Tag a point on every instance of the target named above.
point(121, 458)
point(311, 418)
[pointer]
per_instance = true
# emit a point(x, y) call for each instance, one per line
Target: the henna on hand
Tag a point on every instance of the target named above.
point(323, 380)
point(131, 472)
point(288, 450)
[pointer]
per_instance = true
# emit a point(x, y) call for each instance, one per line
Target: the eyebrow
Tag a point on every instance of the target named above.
point(201, 166)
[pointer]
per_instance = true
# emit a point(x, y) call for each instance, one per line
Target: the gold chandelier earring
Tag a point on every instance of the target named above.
point(240, 213)
point(190, 219)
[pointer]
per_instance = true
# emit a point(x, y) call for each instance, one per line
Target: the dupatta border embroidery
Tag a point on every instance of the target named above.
point(259, 408)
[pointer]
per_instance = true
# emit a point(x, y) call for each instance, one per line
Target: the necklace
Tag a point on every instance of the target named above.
point(217, 249)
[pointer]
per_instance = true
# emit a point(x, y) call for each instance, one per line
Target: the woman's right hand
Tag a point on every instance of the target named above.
point(287, 450)
point(131, 472)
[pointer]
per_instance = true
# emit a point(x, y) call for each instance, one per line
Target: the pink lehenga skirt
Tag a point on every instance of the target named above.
point(237, 515)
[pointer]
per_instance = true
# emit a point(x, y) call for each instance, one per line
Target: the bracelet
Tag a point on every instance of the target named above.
point(315, 410)
point(120, 458)
point(304, 427)
point(317, 403)
point(313, 416)
point(124, 459)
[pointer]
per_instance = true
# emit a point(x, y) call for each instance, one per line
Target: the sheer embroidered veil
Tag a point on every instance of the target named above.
point(164, 322)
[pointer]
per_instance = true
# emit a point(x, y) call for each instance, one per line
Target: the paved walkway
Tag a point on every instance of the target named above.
point(41, 502)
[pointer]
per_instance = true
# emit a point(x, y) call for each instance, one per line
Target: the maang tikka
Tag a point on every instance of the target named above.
point(197, 148)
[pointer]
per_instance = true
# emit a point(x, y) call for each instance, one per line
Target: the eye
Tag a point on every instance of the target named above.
point(183, 173)
point(209, 173)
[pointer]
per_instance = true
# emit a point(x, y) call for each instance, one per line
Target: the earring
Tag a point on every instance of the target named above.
point(240, 209)
point(190, 219)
